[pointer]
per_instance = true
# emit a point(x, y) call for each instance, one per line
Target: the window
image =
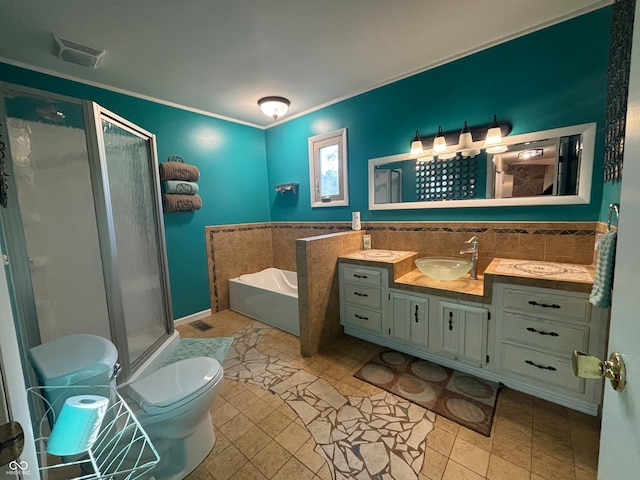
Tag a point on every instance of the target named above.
point(328, 169)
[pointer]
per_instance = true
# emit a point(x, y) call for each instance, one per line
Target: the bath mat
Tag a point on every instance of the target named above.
point(201, 347)
point(462, 398)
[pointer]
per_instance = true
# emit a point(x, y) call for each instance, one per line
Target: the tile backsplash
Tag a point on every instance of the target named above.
point(311, 249)
point(233, 250)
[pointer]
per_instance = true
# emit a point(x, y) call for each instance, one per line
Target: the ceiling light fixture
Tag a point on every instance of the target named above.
point(274, 106)
point(527, 154)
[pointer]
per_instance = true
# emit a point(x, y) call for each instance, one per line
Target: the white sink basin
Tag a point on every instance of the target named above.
point(443, 268)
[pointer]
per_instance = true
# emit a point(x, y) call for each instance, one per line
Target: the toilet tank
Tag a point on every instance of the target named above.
point(79, 359)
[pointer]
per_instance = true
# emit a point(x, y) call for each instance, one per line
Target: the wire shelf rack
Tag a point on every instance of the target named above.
point(122, 450)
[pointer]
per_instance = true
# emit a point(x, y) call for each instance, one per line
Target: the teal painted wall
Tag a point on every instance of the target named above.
point(233, 175)
point(552, 78)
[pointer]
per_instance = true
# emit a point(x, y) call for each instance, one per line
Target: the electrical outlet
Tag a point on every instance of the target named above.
point(366, 242)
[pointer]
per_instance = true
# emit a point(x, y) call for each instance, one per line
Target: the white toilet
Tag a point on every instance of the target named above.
point(172, 404)
point(175, 403)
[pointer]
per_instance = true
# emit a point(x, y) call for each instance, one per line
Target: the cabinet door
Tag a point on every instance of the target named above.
point(409, 316)
point(464, 332)
point(450, 316)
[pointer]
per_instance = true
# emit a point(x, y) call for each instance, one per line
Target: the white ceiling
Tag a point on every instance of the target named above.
point(221, 56)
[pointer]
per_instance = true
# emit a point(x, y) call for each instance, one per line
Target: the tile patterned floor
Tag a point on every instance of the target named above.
point(283, 416)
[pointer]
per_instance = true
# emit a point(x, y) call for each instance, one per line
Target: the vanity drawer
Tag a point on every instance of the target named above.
point(363, 295)
point(362, 276)
point(546, 368)
point(560, 338)
point(552, 304)
point(363, 318)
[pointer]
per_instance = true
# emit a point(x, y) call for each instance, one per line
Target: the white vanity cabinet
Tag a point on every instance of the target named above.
point(408, 318)
point(363, 291)
point(524, 338)
point(537, 330)
point(464, 332)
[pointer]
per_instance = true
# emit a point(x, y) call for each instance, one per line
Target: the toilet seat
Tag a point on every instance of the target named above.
point(175, 384)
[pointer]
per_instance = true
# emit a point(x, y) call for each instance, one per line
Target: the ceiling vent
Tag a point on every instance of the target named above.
point(76, 53)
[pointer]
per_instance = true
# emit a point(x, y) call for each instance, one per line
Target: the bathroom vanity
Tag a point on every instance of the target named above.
point(518, 324)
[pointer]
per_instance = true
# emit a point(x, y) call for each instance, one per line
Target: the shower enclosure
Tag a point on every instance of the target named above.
point(83, 226)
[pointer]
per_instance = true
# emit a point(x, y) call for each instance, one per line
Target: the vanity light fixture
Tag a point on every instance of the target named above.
point(493, 141)
point(416, 145)
point(465, 142)
point(470, 141)
point(274, 106)
point(439, 142)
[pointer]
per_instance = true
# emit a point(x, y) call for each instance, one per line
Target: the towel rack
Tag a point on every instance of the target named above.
point(613, 207)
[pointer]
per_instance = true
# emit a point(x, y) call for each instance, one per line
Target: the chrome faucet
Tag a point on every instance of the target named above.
point(474, 256)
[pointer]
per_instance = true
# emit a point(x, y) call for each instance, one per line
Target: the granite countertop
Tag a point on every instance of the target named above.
point(404, 276)
point(380, 256)
point(561, 276)
point(462, 288)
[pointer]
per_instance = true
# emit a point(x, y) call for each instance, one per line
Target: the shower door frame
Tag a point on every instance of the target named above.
point(93, 114)
point(12, 235)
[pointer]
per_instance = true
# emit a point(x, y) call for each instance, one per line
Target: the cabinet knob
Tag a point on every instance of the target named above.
point(588, 366)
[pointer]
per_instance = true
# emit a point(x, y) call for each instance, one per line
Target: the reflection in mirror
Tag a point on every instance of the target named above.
point(388, 184)
point(544, 167)
point(540, 168)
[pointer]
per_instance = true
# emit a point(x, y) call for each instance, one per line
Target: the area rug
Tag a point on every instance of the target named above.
point(201, 347)
point(462, 398)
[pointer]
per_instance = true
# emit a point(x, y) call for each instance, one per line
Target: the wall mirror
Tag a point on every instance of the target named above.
point(550, 167)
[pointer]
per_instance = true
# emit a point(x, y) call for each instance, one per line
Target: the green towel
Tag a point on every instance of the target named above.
point(179, 186)
point(603, 280)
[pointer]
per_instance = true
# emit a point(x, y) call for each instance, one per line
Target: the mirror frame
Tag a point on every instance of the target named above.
point(588, 132)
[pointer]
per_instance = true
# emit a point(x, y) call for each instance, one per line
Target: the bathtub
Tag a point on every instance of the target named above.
point(270, 296)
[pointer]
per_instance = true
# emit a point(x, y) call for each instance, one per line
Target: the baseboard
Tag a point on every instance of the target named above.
point(192, 318)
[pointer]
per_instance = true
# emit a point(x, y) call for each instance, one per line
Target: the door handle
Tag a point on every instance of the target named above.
point(11, 442)
point(588, 366)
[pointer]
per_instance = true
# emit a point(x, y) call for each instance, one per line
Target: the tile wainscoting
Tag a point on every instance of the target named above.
point(233, 250)
point(311, 249)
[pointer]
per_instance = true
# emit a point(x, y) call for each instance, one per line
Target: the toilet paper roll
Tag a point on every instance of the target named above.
point(78, 425)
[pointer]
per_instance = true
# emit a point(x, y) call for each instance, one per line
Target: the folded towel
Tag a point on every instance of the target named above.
point(179, 186)
point(180, 203)
point(178, 171)
point(603, 280)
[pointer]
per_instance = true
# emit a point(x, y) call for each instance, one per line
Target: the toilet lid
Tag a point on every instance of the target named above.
point(176, 383)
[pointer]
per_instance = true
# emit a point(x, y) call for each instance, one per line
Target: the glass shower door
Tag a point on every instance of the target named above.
point(83, 226)
point(51, 222)
point(128, 158)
